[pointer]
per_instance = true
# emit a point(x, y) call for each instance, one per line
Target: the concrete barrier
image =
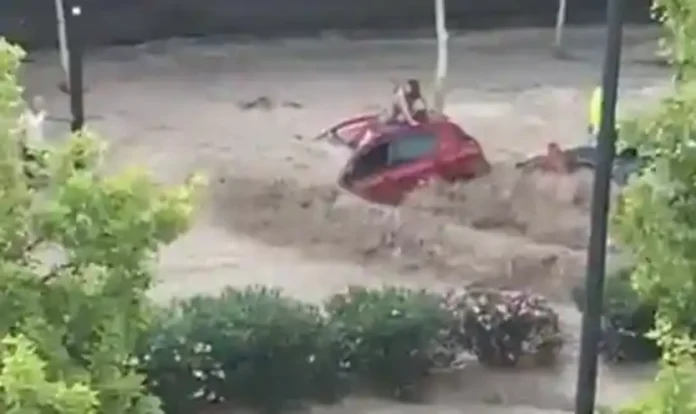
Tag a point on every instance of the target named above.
point(32, 22)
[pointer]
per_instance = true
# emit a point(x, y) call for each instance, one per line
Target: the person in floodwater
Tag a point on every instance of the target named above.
point(409, 105)
point(594, 113)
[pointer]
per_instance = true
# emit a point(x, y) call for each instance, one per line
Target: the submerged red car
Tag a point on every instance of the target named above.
point(388, 160)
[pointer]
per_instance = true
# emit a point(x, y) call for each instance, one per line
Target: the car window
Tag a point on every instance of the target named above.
point(411, 148)
point(372, 161)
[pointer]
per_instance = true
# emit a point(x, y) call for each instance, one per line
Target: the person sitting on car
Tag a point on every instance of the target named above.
point(409, 105)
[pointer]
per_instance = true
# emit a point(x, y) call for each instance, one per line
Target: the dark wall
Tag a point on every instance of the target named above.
point(32, 22)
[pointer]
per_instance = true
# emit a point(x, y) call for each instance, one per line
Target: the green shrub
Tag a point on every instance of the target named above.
point(332, 374)
point(507, 328)
point(253, 347)
point(258, 348)
point(627, 318)
point(390, 336)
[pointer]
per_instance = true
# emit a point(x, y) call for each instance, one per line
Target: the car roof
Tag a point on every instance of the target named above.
point(391, 129)
point(387, 132)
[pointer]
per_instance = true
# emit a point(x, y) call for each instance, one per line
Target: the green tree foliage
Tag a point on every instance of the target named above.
point(678, 19)
point(656, 218)
point(26, 389)
point(76, 261)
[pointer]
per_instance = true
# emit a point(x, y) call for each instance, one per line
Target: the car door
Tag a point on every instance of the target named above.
point(364, 175)
point(387, 171)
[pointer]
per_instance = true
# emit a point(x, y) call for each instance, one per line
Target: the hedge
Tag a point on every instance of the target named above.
point(259, 348)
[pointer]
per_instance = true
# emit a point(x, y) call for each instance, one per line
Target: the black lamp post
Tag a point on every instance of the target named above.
point(75, 87)
point(596, 260)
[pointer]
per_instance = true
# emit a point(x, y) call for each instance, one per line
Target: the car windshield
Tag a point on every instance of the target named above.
point(410, 148)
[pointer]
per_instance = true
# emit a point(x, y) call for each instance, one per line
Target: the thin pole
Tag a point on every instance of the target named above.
point(596, 259)
point(561, 16)
point(75, 46)
point(442, 52)
point(62, 38)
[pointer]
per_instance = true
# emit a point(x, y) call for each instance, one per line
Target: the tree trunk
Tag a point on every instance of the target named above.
point(441, 69)
point(561, 15)
point(62, 39)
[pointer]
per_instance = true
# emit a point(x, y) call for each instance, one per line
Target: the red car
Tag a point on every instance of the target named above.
point(389, 160)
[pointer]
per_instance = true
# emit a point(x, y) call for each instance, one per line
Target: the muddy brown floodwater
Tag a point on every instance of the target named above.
point(273, 215)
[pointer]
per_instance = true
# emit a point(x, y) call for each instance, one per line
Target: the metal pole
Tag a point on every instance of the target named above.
point(596, 260)
point(73, 15)
point(62, 38)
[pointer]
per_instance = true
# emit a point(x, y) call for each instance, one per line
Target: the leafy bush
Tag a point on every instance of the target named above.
point(257, 347)
point(332, 376)
point(507, 328)
point(253, 347)
point(389, 336)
